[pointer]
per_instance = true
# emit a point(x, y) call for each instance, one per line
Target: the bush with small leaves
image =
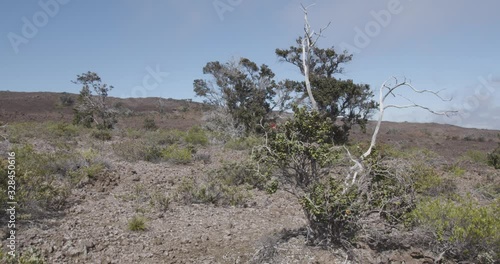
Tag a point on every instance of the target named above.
point(177, 154)
point(463, 227)
point(196, 136)
point(134, 150)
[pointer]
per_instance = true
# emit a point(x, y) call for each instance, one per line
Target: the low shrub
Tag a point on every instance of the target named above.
point(428, 182)
point(177, 154)
point(52, 132)
point(134, 150)
point(493, 158)
point(101, 134)
point(212, 190)
point(44, 180)
point(476, 156)
point(463, 227)
point(137, 223)
point(241, 173)
point(228, 185)
point(63, 130)
point(164, 137)
point(196, 136)
point(243, 143)
point(160, 200)
point(149, 124)
point(27, 256)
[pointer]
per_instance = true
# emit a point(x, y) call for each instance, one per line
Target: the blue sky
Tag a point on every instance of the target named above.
point(154, 48)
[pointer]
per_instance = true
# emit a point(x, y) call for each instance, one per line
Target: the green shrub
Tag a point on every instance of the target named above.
point(161, 201)
point(134, 150)
point(63, 130)
point(196, 136)
point(428, 182)
point(137, 223)
point(149, 124)
point(456, 170)
point(243, 143)
point(164, 137)
point(227, 185)
point(494, 158)
point(42, 179)
point(302, 151)
point(27, 256)
point(52, 132)
point(212, 190)
point(464, 227)
point(332, 213)
point(177, 154)
point(241, 173)
point(476, 156)
point(132, 133)
point(102, 134)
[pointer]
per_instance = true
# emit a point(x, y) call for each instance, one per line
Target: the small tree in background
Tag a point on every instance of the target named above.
point(93, 108)
point(242, 88)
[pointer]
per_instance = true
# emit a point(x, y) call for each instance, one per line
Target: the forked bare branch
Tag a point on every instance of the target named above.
point(387, 89)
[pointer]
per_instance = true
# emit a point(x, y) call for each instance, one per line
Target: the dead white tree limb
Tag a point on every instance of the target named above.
point(309, 41)
point(387, 89)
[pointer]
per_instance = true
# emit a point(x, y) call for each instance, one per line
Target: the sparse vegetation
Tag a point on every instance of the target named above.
point(228, 185)
point(28, 256)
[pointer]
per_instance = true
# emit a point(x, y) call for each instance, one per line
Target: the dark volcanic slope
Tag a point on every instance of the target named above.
point(47, 106)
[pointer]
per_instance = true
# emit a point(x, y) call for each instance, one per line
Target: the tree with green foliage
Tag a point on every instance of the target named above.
point(333, 97)
point(241, 88)
point(93, 108)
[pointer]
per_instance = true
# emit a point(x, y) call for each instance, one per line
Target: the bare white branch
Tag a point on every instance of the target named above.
point(387, 89)
point(307, 43)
